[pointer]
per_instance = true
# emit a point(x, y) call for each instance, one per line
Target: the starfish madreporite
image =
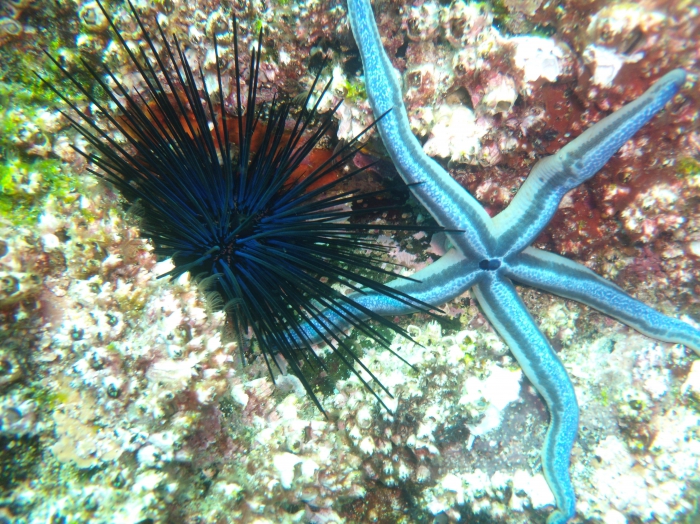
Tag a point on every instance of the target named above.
point(489, 254)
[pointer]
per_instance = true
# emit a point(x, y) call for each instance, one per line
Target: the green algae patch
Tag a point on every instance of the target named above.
point(26, 184)
point(28, 174)
point(688, 168)
point(354, 91)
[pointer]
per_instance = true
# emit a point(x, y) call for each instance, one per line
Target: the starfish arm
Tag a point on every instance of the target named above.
point(561, 276)
point(538, 198)
point(438, 283)
point(450, 204)
point(507, 313)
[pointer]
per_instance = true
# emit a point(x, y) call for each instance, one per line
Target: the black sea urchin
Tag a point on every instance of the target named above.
point(265, 243)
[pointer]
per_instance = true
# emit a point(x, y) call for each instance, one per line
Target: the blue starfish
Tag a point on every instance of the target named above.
point(488, 255)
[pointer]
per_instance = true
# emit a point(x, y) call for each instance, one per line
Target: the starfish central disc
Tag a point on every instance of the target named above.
point(490, 264)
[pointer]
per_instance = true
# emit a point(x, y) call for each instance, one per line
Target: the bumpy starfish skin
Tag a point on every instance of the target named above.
point(488, 255)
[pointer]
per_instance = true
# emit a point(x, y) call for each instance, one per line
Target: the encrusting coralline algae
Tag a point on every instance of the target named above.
point(123, 398)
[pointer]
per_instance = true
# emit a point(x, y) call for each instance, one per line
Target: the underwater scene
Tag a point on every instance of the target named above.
point(349, 261)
